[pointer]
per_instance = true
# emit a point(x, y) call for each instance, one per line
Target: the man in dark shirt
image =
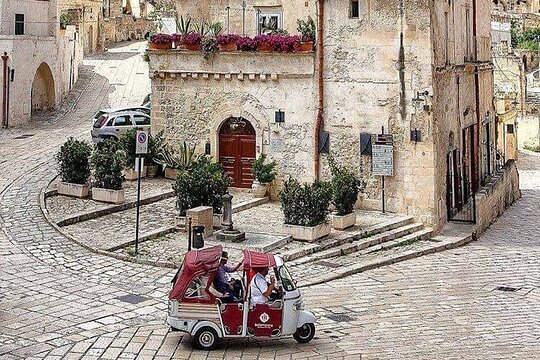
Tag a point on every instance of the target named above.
point(221, 282)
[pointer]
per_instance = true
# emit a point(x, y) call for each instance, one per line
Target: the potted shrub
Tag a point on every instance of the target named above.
point(265, 43)
point(160, 42)
point(203, 185)
point(305, 209)
point(155, 145)
point(227, 42)
point(74, 168)
point(108, 161)
point(128, 143)
point(345, 190)
point(184, 27)
point(209, 47)
point(307, 29)
point(264, 175)
point(192, 41)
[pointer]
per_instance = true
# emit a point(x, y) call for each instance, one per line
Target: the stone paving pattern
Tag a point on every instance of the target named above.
point(58, 301)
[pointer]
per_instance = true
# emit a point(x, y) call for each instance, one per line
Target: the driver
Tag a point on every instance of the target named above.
point(260, 289)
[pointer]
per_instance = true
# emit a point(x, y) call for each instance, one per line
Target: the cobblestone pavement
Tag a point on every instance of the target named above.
point(58, 301)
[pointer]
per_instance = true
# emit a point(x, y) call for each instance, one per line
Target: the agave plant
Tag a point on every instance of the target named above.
point(181, 159)
point(183, 24)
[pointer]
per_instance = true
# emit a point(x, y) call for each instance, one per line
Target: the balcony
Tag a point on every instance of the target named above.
point(239, 65)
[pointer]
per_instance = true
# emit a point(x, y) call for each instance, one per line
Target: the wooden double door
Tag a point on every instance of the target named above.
point(237, 151)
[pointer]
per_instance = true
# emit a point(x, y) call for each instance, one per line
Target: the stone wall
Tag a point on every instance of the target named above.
point(493, 199)
point(124, 28)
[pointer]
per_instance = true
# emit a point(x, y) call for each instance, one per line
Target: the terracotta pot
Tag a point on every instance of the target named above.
point(306, 47)
point(228, 47)
point(265, 48)
point(155, 46)
point(192, 47)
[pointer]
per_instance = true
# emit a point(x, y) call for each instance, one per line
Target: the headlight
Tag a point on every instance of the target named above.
point(299, 306)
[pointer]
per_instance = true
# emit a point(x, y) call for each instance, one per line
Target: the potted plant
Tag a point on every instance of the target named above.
point(307, 29)
point(192, 41)
point(203, 185)
point(209, 47)
point(245, 43)
point(345, 190)
point(184, 27)
point(305, 209)
point(108, 161)
point(155, 145)
point(128, 143)
point(227, 42)
point(264, 175)
point(265, 43)
point(176, 41)
point(160, 42)
point(175, 162)
point(74, 168)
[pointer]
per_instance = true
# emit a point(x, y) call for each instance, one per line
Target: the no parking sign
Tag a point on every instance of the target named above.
point(142, 143)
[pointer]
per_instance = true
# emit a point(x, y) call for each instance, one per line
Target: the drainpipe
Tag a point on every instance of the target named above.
point(5, 106)
point(476, 157)
point(319, 124)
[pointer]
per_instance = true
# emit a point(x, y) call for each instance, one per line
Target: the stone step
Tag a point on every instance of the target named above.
point(327, 271)
point(362, 244)
point(338, 238)
point(423, 234)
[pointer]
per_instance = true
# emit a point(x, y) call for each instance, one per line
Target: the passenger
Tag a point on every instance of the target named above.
point(232, 288)
point(260, 289)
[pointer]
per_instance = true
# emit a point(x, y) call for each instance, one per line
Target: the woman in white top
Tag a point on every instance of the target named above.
point(260, 289)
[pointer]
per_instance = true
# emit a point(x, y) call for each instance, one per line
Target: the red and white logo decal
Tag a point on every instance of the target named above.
point(264, 318)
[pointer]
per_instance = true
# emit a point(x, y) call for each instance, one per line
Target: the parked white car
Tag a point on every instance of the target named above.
point(142, 109)
point(114, 125)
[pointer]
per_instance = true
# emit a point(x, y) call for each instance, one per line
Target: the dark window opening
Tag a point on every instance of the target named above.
point(19, 24)
point(355, 9)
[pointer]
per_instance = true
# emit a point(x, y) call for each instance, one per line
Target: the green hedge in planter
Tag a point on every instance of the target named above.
point(108, 160)
point(345, 188)
point(307, 204)
point(203, 185)
point(73, 161)
point(264, 173)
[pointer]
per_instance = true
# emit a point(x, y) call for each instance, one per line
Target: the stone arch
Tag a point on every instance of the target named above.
point(43, 94)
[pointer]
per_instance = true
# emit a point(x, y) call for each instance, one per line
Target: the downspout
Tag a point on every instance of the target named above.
point(401, 65)
point(319, 124)
point(476, 157)
point(5, 58)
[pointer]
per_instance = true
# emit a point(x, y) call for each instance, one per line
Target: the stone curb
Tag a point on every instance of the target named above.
point(343, 237)
point(358, 268)
point(47, 218)
point(113, 209)
point(146, 237)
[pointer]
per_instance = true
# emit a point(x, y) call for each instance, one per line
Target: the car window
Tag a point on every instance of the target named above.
point(101, 121)
point(99, 114)
point(124, 120)
point(141, 120)
point(143, 110)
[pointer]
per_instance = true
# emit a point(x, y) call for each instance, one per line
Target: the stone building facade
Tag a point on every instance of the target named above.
point(39, 65)
point(87, 16)
point(421, 66)
point(125, 20)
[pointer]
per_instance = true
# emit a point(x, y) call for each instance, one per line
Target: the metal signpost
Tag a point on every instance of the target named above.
point(141, 148)
point(383, 158)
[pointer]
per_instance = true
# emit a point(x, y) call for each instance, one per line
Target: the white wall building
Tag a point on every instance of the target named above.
point(39, 67)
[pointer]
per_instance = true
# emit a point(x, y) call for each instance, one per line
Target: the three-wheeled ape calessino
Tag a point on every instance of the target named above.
point(196, 308)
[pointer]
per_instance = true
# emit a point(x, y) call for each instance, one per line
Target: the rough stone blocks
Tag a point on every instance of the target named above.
point(202, 216)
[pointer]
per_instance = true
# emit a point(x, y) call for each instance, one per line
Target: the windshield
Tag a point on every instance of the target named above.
point(286, 279)
point(98, 114)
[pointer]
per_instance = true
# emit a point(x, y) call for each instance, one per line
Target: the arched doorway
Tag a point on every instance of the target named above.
point(43, 90)
point(237, 150)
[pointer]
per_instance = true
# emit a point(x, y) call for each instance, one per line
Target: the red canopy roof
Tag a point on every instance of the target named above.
point(196, 263)
point(253, 259)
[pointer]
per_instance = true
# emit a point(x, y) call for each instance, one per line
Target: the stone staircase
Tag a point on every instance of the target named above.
point(349, 252)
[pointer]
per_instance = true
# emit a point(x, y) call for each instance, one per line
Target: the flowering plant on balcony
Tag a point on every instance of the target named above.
point(192, 39)
point(177, 38)
point(227, 39)
point(161, 39)
point(245, 43)
point(282, 43)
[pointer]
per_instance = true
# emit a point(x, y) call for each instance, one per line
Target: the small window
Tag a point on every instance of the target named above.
point(197, 288)
point(123, 121)
point(355, 9)
point(141, 120)
point(269, 22)
point(19, 24)
point(100, 121)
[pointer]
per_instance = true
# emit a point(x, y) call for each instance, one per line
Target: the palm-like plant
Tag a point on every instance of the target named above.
point(183, 24)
